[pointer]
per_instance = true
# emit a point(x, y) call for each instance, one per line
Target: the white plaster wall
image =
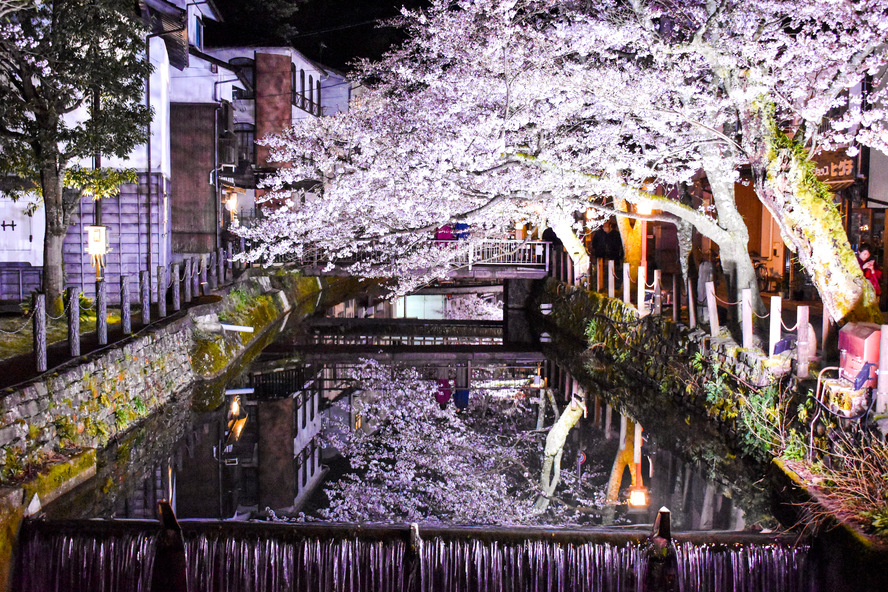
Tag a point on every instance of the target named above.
point(160, 125)
point(199, 84)
point(24, 243)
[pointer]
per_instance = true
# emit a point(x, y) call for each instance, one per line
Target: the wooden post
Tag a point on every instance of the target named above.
point(882, 380)
point(145, 285)
point(39, 326)
point(692, 304)
point(229, 253)
point(214, 279)
point(102, 312)
point(802, 342)
point(195, 277)
point(126, 319)
point(824, 333)
point(73, 297)
point(177, 301)
point(746, 319)
point(627, 284)
point(189, 271)
point(608, 417)
point(220, 265)
point(775, 320)
point(599, 275)
point(642, 284)
point(161, 291)
point(658, 294)
point(712, 307)
point(202, 262)
point(676, 297)
point(611, 279)
point(623, 427)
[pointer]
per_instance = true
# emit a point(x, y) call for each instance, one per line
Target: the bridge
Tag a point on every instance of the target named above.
point(487, 260)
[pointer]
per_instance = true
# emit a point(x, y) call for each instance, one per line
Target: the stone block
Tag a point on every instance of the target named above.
point(9, 434)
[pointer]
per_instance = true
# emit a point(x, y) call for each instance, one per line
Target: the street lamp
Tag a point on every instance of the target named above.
point(97, 247)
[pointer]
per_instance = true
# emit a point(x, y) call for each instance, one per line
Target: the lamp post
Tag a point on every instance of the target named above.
point(97, 247)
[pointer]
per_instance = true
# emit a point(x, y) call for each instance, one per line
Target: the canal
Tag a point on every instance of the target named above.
point(306, 468)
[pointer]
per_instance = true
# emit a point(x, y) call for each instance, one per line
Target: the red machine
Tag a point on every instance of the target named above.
point(859, 347)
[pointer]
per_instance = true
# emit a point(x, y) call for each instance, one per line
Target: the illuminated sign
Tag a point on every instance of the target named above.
point(835, 167)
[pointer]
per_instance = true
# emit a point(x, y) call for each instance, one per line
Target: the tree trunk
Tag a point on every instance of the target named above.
point(554, 448)
point(809, 221)
point(563, 228)
point(630, 234)
point(56, 228)
point(734, 245)
point(624, 459)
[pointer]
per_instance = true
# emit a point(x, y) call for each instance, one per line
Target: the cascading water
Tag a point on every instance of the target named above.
point(255, 557)
point(248, 563)
point(84, 562)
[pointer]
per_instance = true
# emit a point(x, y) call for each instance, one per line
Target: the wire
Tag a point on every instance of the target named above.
point(22, 328)
point(789, 329)
point(726, 303)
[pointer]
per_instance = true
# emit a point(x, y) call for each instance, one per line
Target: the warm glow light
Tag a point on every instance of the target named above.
point(235, 407)
point(638, 497)
point(231, 202)
point(644, 208)
point(96, 240)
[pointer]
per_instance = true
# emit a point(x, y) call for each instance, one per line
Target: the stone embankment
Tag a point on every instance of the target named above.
point(728, 409)
point(51, 426)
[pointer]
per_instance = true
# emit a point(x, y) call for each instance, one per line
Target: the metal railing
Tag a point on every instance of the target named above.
point(502, 253)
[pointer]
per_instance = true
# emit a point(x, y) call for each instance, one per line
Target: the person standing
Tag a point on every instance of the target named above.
point(607, 244)
point(870, 268)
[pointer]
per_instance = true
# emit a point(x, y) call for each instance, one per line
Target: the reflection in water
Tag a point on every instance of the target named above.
point(265, 450)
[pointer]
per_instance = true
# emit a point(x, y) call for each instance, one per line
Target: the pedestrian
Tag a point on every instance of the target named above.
point(870, 268)
point(607, 244)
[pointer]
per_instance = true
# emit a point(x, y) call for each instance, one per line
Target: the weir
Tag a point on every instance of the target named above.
point(118, 555)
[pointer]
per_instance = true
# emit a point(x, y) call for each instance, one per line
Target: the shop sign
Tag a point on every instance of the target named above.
point(835, 167)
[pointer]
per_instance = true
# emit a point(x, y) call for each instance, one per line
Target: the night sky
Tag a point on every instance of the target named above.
point(332, 32)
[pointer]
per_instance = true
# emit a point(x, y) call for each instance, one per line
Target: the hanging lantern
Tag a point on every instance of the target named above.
point(96, 240)
point(97, 247)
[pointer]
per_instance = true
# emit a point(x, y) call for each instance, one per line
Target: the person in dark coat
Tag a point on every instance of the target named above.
point(607, 245)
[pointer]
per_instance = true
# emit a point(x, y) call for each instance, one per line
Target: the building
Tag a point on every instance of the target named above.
point(198, 173)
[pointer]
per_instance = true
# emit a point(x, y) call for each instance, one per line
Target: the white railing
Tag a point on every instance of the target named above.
point(502, 253)
point(514, 253)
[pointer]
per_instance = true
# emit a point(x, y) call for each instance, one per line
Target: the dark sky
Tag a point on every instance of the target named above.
point(332, 32)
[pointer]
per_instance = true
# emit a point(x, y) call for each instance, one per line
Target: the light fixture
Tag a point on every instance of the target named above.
point(97, 247)
point(231, 202)
point(638, 497)
point(644, 208)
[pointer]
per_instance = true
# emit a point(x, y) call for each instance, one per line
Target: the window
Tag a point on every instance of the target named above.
point(198, 33)
point(301, 88)
point(246, 68)
point(318, 99)
point(294, 96)
point(310, 106)
point(246, 144)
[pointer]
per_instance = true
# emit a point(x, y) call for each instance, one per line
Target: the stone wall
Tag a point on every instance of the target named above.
point(683, 386)
point(88, 401)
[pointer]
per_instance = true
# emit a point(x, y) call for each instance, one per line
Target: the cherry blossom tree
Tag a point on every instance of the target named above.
point(9, 6)
point(421, 463)
point(534, 111)
point(469, 307)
